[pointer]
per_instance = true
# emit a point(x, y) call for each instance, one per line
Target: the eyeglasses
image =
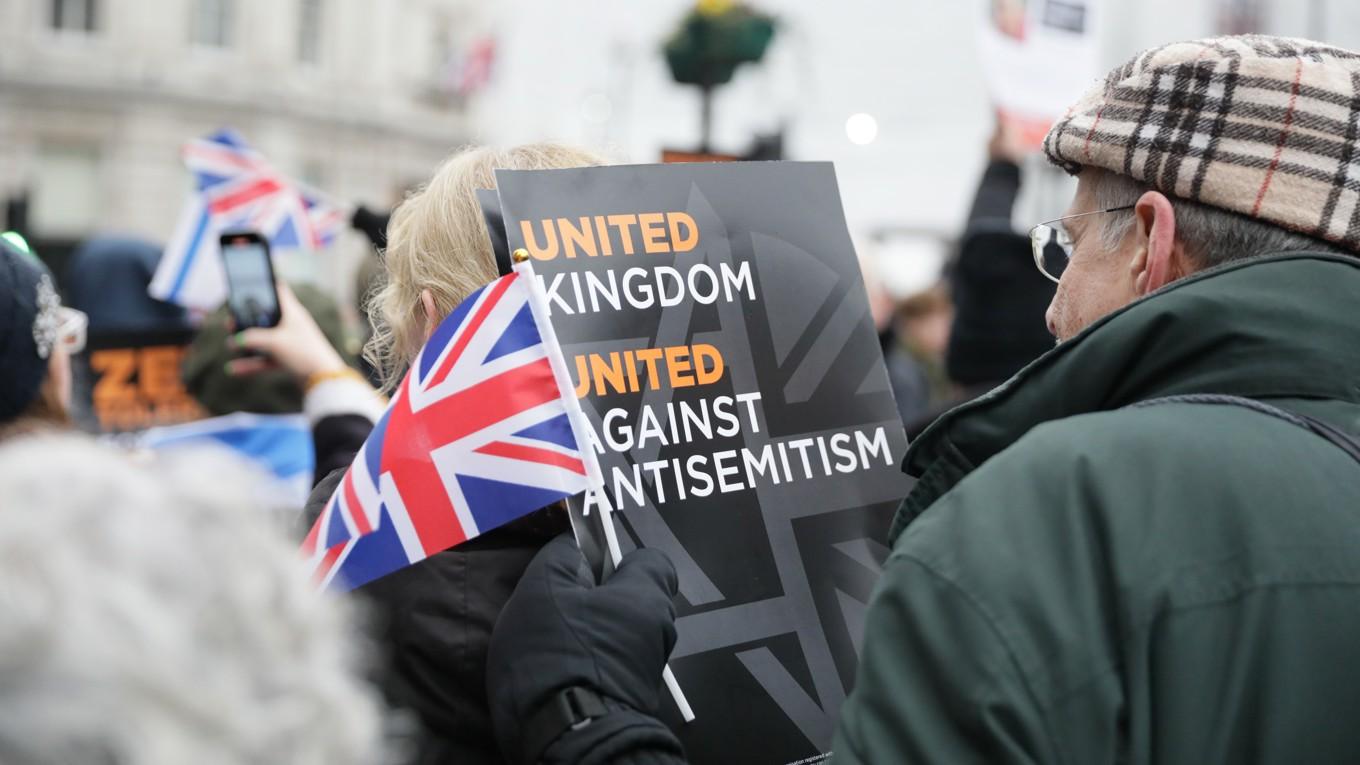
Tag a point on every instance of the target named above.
point(1052, 244)
point(72, 326)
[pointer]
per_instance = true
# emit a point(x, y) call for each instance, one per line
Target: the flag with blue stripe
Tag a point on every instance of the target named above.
point(235, 189)
point(485, 428)
point(280, 444)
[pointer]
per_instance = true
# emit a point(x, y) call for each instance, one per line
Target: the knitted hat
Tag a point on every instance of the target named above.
point(28, 327)
point(1262, 126)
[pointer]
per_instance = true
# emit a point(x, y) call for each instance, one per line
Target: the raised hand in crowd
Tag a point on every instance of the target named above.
point(1007, 143)
point(296, 344)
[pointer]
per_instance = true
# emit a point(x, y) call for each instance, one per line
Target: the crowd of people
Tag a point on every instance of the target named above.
point(1138, 545)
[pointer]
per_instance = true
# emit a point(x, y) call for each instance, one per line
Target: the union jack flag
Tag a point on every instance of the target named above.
point(235, 188)
point(485, 428)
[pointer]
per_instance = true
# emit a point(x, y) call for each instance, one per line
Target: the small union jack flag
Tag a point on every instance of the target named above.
point(485, 428)
point(235, 189)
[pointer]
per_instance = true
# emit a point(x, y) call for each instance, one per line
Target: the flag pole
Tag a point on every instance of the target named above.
point(538, 303)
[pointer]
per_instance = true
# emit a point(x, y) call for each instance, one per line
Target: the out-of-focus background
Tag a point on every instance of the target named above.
point(360, 98)
point(353, 102)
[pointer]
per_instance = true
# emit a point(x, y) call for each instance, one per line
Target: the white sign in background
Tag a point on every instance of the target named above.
point(1038, 57)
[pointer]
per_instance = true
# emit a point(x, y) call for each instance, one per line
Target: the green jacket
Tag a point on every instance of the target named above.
point(1075, 581)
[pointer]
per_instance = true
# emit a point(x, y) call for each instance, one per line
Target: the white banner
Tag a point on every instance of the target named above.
point(1038, 57)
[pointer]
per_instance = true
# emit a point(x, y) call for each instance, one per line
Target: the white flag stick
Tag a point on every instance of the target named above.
point(612, 540)
point(538, 303)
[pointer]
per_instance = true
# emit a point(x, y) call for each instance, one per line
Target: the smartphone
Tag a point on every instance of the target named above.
point(252, 297)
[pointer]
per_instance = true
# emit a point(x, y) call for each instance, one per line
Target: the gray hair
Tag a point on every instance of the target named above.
point(150, 615)
point(1211, 236)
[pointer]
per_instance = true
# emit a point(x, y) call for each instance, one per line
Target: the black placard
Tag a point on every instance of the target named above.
point(653, 273)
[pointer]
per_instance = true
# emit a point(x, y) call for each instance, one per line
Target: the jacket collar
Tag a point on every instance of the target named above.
point(1283, 326)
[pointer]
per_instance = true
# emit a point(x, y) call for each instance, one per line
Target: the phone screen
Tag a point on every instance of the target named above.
point(252, 300)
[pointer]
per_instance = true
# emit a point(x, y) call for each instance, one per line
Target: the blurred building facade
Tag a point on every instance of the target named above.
point(913, 66)
point(358, 98)
point(362, 97)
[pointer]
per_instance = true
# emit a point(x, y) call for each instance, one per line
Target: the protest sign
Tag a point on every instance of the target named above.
point(1038, 57)
point(716, 328)
point(130, 380)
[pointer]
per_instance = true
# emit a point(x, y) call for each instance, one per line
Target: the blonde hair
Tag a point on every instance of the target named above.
point(437, 240)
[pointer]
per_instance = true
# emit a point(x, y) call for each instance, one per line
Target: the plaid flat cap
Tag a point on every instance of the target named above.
point(1262, 126)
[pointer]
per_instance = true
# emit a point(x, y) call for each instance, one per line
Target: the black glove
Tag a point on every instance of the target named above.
point(561, 631)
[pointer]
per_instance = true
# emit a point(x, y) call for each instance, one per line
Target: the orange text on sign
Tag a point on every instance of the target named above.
point(138, 388)
point(593, 236)
point(679, 366)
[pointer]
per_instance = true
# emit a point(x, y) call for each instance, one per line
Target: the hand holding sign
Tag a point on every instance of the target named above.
point(561, 634)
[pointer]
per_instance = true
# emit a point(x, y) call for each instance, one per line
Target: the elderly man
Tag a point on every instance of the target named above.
point(1144, 547)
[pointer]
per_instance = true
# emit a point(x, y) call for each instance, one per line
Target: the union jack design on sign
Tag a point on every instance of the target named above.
point(484, 429)
point(235, 188)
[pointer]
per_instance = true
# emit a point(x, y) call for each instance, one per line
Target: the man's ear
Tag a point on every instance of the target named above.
point(1159, 258)
point(431, 315)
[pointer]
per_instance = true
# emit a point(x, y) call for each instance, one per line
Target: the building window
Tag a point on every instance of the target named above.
point(66, 192)
point(211, 23)
point(309, 31)
point(74, 15)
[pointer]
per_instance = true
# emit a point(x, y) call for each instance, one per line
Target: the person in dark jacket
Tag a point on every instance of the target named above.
point(107, 278)
point(433, 620)
point(998, 296)
point(1120, 556)
point(1142, 547)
